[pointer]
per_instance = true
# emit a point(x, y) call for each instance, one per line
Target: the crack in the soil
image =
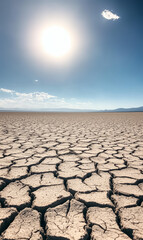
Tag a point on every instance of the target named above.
point(7, 221)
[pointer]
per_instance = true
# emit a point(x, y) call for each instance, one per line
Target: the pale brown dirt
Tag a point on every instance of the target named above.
point(71, 176)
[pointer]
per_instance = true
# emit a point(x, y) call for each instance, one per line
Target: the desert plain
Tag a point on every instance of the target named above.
point(71, 176)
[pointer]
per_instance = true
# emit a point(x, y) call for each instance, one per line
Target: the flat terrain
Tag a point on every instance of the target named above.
point(71, 176)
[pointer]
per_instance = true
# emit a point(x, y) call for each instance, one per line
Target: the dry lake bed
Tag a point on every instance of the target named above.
point(71, 176)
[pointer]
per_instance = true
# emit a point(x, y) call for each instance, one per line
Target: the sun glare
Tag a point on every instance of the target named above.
point(57, 41)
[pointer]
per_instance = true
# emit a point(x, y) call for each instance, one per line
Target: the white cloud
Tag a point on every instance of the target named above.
point(109, 15)
point(40, 96)
point(6, 90)
point(39, 100)
point(24, 100)
point(34, 95)
point(36, 80)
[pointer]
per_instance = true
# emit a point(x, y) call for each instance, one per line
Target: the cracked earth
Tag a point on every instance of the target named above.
point(71, 176)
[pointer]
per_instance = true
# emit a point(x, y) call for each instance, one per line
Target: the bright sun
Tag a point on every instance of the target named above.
point(57, 41)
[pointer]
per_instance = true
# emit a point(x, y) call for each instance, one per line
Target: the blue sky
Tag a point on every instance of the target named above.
point(105, 70)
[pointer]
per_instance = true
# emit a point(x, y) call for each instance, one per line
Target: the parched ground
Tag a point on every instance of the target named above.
point(71, 176)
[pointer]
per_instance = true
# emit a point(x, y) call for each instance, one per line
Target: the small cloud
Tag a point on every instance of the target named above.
point(109, 15)
point(36, 80)
point(6, 90)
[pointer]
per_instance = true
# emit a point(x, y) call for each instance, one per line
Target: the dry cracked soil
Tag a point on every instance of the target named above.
point(71, 176)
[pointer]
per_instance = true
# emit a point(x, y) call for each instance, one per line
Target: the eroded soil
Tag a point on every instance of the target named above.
point(71, 176)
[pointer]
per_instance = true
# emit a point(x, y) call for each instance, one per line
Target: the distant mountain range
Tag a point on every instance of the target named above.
point(137, 109)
